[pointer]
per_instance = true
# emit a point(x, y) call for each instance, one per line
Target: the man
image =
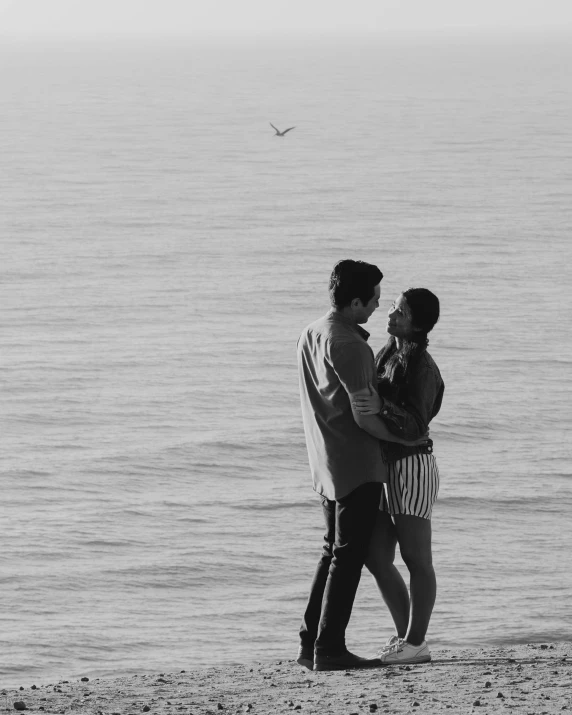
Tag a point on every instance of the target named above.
point(335, 362)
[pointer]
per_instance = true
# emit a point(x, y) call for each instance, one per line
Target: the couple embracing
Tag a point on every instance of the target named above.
point(366, 424)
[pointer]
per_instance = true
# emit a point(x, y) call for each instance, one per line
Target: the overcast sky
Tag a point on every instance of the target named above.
point(78, 17)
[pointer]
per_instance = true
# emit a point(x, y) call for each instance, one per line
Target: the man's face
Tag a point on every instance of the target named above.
point(363, 312)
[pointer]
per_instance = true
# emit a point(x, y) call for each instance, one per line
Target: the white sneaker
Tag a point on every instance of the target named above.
point(402, 652)
point(388, 644)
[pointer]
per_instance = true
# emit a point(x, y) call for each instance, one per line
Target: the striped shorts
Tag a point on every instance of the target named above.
point(412, 486)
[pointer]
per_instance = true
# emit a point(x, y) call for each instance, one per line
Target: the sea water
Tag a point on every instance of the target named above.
point(162, 250)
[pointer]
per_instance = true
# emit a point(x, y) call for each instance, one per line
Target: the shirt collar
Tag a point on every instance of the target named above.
point(340, 318)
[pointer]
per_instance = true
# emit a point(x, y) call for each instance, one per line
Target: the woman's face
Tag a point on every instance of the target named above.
point(399, 319)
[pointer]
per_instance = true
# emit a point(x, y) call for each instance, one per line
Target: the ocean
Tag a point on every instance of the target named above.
point(161, 252)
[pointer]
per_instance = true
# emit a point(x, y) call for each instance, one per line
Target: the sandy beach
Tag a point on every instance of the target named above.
point(533, 678)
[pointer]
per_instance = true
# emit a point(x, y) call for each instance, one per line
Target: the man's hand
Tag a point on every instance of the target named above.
point(366, 402)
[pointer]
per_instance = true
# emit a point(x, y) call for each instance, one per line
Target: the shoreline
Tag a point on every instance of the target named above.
point(532, 678)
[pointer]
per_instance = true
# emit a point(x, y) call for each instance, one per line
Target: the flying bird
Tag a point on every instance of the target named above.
point(278, 132)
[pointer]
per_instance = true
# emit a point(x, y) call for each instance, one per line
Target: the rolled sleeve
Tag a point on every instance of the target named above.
point(354, 365)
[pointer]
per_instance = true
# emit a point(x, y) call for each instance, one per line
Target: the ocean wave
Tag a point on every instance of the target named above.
point(192, 520)
point(549, 636)
point(227, 446)
point(522, 359)
point(105, 543)
point(535, 502)
point(275, 506)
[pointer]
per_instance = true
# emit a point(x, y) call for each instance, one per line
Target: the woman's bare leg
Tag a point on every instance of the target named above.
point(389, 581)
point(414, 536)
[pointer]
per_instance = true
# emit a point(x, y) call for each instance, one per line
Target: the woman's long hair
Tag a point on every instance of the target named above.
point(393, 364)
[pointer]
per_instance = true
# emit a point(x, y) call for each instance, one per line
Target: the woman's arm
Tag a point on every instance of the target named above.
point(410, 419)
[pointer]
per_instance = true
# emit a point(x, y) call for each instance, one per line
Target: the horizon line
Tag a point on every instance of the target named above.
point(272, 33)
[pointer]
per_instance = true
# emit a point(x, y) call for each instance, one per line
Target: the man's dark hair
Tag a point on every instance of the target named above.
point(353, 279)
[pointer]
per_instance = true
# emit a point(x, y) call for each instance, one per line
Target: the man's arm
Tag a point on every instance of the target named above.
point(374, 425)
point(355, 368)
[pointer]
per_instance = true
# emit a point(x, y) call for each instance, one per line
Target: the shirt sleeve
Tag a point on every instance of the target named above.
point(354, 365)
point(423, 396)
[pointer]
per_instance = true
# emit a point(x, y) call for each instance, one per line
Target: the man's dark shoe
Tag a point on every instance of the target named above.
point(306, 657)
point(345, 661)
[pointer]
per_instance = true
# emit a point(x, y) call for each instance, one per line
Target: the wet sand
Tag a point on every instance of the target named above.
point(534, 678)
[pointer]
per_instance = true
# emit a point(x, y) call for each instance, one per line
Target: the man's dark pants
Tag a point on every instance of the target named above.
point(349, 525)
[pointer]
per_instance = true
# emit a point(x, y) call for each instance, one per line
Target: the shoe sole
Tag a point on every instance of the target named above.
point(334, 666)
point(306, 663)
point(409, 661)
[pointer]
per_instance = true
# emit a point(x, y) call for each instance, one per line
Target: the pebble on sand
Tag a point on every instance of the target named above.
point(541, 677)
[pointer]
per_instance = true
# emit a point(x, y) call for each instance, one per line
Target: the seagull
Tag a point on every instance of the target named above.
point(278, 132)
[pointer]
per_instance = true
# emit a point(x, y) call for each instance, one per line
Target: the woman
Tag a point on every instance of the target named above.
point(410, 394)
